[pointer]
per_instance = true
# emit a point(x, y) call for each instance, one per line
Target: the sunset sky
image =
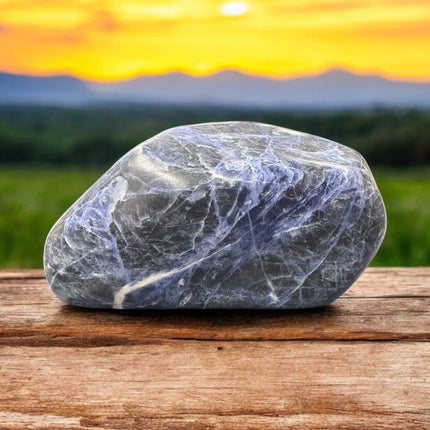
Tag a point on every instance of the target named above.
point(113, 39)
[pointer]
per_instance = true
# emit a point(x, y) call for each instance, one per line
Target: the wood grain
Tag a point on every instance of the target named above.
point(362, 362)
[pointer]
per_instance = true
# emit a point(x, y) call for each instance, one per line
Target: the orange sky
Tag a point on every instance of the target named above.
point(114, 39)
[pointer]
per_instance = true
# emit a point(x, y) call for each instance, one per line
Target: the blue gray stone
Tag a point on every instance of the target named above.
point(220, 215)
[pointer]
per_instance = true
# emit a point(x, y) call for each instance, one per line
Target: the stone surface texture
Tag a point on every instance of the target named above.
point(220, 215)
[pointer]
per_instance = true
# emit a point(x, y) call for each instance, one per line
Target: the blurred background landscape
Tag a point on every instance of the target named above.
point(82, 82)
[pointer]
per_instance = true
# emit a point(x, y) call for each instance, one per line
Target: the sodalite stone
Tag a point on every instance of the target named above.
point(220, 215)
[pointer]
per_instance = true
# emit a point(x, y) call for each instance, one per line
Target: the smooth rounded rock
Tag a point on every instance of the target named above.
point(220, 215)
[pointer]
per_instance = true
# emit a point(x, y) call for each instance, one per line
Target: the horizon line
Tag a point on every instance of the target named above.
point(315, 74)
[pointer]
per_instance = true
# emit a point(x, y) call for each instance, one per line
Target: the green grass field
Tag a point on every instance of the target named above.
point(406, 193)
point(33, 198)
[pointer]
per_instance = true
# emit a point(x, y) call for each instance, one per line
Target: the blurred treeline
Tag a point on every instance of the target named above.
point(98, 135)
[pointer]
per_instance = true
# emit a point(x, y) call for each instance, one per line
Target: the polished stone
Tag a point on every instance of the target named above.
point(220, 215)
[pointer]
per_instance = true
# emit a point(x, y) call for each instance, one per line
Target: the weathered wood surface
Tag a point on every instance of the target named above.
point(363, 362)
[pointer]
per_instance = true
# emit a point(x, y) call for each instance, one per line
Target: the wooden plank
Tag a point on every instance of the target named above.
point(8, 274)
point(365, 319)
point(334, 367)
point(392, 282)
point(31, 315)
point(222, 385)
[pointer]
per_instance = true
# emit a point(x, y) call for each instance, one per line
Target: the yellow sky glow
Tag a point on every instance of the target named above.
point(113, 39)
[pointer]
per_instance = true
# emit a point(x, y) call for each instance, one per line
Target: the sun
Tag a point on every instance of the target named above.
point(234, 8)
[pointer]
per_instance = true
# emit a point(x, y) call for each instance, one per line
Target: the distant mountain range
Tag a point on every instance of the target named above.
point(56, 90)
point(332, 89)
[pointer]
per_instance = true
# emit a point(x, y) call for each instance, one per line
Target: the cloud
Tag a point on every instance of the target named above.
point(102, 20)
point(317, 7)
